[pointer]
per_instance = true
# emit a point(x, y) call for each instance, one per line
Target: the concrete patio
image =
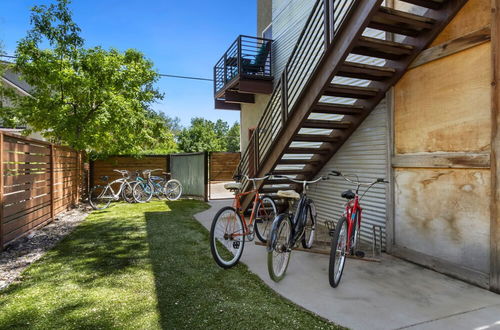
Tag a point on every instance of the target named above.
point(392, 294)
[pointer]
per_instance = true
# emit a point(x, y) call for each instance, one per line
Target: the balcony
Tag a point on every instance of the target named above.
point(243, 71)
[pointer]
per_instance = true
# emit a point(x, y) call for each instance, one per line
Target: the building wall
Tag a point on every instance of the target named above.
point(249, 117)
point(442, 109)
point(363, 154)
point(264, 15)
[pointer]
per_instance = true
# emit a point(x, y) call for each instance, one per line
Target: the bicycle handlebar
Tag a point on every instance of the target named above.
point(301, 181)
point(378, 180)
point(124, 173)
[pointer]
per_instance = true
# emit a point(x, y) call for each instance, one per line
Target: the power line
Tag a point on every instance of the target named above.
point(161, 74)
point(184, 77)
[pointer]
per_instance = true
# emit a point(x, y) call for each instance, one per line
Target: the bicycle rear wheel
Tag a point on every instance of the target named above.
point(264, 216)
point(172, 189)
point(338, 253)
point(279, 249)
point(143, 192)
point(226, 237)
point(310, 226)
point(98, 199)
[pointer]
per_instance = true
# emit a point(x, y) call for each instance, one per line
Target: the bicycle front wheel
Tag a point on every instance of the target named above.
point(310, 226)
point(143, 192)
point(128, 192)
point(338, 253)
point(172, 189)
point(98, 198)
point(227, 237)
point(264, 216)
point(279, 249)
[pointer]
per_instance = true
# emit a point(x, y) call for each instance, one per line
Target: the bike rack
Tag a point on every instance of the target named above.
point(377, 241)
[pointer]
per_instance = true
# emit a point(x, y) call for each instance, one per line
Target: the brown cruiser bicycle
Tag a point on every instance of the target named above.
point(230, 227)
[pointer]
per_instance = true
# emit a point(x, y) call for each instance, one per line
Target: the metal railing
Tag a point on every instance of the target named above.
point(247, 57)
point(324, 22)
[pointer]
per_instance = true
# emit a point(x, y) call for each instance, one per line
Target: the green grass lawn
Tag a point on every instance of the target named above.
point(144, 266)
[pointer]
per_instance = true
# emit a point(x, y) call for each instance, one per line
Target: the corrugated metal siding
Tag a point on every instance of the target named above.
point(365, 154)
point(289, 17)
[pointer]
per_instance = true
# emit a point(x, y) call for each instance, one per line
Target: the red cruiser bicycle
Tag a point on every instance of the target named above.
point(346, 236)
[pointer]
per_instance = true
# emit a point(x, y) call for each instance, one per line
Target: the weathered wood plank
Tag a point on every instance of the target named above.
point(494, 279)
point(442, 160)
point(452, 47)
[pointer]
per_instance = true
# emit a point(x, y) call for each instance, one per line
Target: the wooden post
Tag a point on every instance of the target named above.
point(1, 191)
point(52, 182)
point(205, 157)
point(79, 176)
point(495, 150)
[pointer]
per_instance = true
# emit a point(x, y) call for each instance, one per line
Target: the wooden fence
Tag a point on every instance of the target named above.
point(38, 180)
point(105, 167)
point(223, 165)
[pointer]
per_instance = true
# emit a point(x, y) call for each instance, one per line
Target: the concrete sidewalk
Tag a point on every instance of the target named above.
point(392, 294)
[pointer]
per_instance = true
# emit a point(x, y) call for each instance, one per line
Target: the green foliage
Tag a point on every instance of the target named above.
point(88, 98)
point(233, 138)
point(205, 135)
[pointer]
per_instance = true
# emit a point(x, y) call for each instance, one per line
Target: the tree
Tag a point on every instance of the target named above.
point(233, 138)
point(90, 99)
point(200, 136)
point(205, 135)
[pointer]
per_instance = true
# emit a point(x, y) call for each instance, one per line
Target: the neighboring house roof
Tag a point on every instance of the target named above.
point(12, 79)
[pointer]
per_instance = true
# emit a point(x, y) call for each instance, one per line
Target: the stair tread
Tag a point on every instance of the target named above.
point(337, 109)
point(381, 48)
point(432, 4)
point(296, 150)
point(365, 71)
point(318, 123)
point(350, 91)
point(314, 138)
point(396, 21)
point(297, 162)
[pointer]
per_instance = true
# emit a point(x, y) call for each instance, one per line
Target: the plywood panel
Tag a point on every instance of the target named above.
point(445, 214)
point(444, 106)
point(473, 16)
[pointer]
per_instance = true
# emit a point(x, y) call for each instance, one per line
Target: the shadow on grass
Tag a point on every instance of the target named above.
point(193, 292)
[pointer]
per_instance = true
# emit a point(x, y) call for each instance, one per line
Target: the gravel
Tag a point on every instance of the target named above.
point(28, 249)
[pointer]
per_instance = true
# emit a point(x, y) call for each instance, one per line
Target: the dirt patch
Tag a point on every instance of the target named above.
point(26, 250)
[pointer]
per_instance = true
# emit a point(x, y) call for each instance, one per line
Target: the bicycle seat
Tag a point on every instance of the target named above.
point(348, 194)
point(104, 178)
point(232, 186)
point(292, 194)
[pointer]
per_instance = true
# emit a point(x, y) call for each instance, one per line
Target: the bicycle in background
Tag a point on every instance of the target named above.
point(291, 228)
point(345, 238)
point(230, 227)
point(145, 188)
point(100, 196)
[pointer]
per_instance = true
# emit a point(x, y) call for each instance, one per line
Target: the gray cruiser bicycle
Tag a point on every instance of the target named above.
point(101, 196)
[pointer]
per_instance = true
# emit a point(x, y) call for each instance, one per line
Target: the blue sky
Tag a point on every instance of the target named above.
point(180, 37)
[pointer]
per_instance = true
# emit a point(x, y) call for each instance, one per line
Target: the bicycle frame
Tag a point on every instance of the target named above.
point(352, 208)
point(122, 182)
point(237, 206)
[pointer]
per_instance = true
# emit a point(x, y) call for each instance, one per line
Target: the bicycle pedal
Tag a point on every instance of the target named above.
point(359, 254)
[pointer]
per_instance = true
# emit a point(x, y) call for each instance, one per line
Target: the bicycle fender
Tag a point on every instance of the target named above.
point(273, 235)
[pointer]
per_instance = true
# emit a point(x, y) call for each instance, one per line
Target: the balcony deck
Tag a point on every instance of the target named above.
point(243, 71)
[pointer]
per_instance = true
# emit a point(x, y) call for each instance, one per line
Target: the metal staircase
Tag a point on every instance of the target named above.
point(310, 114)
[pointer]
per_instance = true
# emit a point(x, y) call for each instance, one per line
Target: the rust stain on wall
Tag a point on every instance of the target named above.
point(437, 203)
